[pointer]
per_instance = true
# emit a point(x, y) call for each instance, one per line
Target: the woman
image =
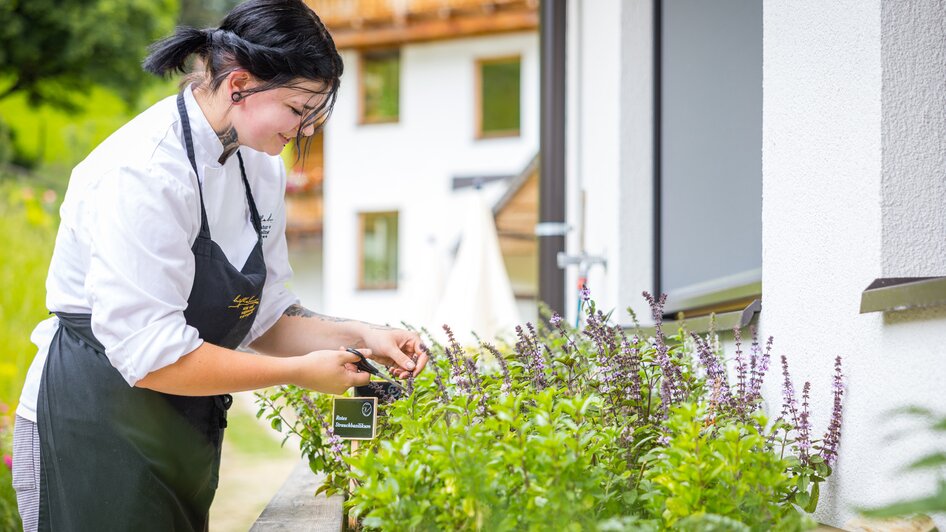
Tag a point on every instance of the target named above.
point(170, 256)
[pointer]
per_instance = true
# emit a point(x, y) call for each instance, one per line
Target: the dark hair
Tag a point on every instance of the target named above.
point(277, 41)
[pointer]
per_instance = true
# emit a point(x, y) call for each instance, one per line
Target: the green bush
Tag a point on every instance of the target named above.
point(27, 231)
point(575, 430)
point(9, 514)
point(933, 462)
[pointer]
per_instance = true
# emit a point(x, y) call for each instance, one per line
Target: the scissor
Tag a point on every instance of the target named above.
point(368, 367)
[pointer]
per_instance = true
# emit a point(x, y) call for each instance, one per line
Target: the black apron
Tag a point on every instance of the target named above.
point(116, 457)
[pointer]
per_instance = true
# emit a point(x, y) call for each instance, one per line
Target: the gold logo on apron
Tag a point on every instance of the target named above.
point(246, 305)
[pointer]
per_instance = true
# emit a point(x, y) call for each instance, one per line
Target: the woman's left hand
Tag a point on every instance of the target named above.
point(399, 350)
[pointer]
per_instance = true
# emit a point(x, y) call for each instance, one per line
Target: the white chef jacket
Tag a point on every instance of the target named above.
point(128, 221)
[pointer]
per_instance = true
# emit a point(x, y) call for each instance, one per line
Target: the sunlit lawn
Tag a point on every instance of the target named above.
point(253, 467)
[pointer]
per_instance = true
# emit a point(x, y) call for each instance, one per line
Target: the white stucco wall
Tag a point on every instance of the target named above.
point(854, 154)
point(838, 183)
point(635, 217)
point(914, 138)
point(593, 140)
point(408, 166)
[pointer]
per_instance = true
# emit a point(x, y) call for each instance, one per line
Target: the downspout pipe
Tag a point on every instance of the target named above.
point(552, 16)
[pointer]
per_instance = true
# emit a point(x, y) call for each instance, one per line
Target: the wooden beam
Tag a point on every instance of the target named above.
point(435, 29)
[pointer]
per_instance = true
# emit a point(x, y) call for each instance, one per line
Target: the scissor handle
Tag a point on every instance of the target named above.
point(363, 364)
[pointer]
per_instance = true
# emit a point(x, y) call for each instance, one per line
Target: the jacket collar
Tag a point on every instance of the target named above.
point(207, 145)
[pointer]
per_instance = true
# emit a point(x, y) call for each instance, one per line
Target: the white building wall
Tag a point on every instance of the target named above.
point(914, 142)
point(593, 139)
point(854, 154)
point(842, 172)
point(408, 166)
point(635, 220)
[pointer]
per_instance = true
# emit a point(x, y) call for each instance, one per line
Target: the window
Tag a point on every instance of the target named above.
point(378, 248)
point(710, 153)
point(380, 86)
point(498, 97)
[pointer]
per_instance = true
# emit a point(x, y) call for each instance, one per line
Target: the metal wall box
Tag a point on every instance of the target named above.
point(902, 293)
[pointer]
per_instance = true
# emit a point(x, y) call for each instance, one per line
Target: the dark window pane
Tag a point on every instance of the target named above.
point(500, 97)
point(711, 146)
point(380, 80)
point(379, 250)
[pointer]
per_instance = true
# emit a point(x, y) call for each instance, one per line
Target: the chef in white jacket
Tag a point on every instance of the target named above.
point(170, 258)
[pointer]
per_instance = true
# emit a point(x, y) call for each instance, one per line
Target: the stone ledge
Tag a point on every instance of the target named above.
point(295, 508)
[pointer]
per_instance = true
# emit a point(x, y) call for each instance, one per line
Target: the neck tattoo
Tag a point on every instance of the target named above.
point(230, 143)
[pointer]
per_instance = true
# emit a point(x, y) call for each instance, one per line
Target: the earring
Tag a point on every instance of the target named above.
point(236, 97)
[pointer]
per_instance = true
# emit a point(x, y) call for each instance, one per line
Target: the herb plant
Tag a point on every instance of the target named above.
point(591, 429)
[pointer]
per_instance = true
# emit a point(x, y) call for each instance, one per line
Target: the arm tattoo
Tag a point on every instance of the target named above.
point(230, 143)
point(302, 312)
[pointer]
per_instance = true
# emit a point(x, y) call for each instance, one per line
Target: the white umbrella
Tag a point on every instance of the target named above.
point(478, 296)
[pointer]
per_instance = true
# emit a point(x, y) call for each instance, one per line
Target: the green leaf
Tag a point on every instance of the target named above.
point(930, 461)
point(813, 499)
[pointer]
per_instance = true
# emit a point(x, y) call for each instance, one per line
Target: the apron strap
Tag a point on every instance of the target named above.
point(81, 326)
point(189, 144)
point(254, 214)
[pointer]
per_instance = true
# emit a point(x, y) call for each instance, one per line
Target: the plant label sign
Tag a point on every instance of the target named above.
point(355, 418)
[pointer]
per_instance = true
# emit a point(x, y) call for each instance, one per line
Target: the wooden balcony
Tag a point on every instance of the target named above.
point(382, 23)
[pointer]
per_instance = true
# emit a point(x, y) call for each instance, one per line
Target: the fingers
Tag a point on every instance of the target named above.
point(397, 357)
point(359, 378)
point(404, 361)
point(420, 358)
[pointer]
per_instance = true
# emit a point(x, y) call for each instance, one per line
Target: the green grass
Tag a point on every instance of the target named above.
point(250, 437)
point(27, 233)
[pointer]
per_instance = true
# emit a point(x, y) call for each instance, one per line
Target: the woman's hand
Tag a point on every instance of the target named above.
point(329, 371)
point(400, 350)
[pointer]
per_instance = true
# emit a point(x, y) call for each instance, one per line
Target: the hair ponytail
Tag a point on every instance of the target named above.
point(170, 54)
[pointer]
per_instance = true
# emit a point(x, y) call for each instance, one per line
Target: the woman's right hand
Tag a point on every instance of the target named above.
point(328, 371)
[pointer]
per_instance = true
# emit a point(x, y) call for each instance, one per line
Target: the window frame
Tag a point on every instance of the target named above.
point(363, 55)
point(478, 133)
point(361, 284)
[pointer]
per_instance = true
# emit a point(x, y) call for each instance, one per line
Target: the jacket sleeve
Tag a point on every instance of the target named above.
point(141, 269)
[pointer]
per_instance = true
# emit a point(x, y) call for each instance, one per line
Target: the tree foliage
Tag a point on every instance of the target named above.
point(54, 50)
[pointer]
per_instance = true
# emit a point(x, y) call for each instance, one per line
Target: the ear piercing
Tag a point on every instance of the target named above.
point(236, 97)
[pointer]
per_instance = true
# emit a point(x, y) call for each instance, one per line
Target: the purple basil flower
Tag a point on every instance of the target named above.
point(741, 368)
point(759, 370)
point(333, 442)
point(631, 360)
point(529, 351)
point(789, 404)
point(716, 377)
point(832, 438)
point(672, 379)
point(804, 426)
point(481, 406)
point(503, 367)
point(438, 379)
point(555, 320)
